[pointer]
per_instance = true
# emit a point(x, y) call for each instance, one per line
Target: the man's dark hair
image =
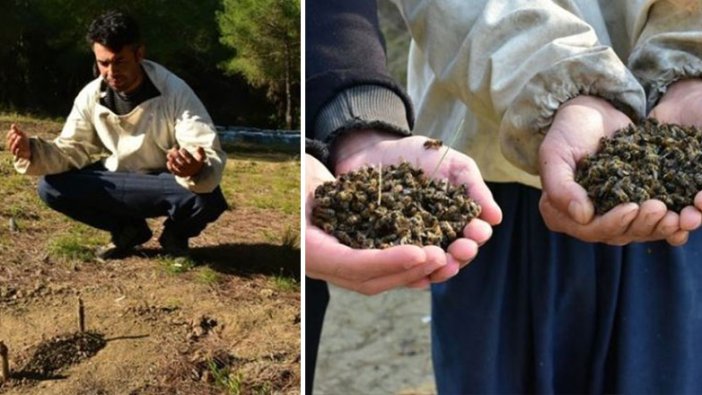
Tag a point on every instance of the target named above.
point(114, 30)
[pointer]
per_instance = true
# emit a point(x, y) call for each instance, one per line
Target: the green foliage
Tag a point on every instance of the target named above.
point(230, 382)
point(266, 37)
point(270, 184)
point(207, 276)
point(285, 284)
point(45, 59)
point(291, 238)
point(69, 248)
point(77, 244)
point(177, 265)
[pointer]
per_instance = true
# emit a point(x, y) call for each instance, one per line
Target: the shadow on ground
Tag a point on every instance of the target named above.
point(249, 259)
point(245, 260)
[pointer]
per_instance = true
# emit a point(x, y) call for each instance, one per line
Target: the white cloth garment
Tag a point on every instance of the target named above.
point(134, 142)
point(505, 66)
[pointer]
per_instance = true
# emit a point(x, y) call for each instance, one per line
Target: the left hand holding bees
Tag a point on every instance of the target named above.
point(368, 272)
point(373, 147)
point(680, 105)
point(577, 128)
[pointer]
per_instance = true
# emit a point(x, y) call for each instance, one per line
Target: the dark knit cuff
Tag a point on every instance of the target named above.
point(359, 107)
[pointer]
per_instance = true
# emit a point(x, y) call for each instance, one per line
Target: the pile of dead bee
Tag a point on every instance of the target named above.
point(646, 161)
point(398, 205)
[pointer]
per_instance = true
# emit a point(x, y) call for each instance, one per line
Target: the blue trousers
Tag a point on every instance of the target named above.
point(540, 312)
point(316, 301)
point(111, 201)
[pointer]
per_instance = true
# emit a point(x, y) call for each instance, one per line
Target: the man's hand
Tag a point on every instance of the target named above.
point(575, 133)
point(680, 105)
point(18, 143)
point(370, 271)
point(181, 163)
point(370, 147)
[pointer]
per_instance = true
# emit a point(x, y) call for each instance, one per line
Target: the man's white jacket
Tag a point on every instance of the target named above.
point(505, 66)
point(134, 142)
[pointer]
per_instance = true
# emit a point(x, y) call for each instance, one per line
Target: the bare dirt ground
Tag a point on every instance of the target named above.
point(375, 345)
point(226, 321)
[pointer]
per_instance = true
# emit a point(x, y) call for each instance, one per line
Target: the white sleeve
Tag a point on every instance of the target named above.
point(517, 61)
point(76, 146)
point(194, 128)
point(668, 43)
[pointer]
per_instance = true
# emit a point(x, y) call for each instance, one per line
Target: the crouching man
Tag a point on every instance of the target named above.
point(137, 144)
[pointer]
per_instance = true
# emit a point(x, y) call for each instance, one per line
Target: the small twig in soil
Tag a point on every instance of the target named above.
point(81, 316)
point(4, 363)
point(13, 225)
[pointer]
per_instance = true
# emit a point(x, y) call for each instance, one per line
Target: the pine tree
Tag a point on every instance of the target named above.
point(266, 37)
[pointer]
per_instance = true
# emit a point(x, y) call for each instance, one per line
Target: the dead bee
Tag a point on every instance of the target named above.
point(411, 208)
point(433, 144)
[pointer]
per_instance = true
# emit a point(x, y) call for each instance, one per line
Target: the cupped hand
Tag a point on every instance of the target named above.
point(184, 164)
point(370, 147)
point(370, 271)
point(680, 105)
point(18, 143)
point(577, 128)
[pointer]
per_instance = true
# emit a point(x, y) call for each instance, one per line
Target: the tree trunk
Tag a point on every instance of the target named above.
point(288, 94)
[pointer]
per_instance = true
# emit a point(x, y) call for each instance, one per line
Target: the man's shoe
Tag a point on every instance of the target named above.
point(174, 245)
point(124, 242)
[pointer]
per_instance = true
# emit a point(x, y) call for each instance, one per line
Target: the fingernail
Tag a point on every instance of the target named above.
point(577, 212)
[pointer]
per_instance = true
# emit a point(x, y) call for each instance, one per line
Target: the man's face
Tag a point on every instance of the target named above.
point(121, 70)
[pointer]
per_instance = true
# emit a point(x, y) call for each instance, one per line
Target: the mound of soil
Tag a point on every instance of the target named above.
point(61, 351)
point(411, 208)
point(646, 161)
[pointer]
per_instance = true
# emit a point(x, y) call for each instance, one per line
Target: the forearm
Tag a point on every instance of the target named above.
point(348, 86)
point(52, 158)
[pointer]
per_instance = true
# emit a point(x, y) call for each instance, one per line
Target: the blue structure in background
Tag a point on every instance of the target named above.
point(241, 134)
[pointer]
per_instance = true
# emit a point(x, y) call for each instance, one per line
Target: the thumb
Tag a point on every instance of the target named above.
point(315, 173)
point(200, 154)
point(172, 152)
point(565, 194)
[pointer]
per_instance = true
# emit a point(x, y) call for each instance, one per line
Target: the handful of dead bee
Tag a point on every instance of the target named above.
point(646, 161)
point(397, 205)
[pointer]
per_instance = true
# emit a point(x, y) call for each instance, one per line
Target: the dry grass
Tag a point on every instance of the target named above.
point(146, 304)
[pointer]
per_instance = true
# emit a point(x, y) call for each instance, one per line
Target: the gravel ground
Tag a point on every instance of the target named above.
point(376, 345)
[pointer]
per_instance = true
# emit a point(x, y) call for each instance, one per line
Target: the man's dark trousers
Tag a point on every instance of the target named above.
point(112, 201)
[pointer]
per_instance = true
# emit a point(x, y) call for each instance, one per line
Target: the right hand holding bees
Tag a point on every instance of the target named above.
point(369, 271)
point(355, 150)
